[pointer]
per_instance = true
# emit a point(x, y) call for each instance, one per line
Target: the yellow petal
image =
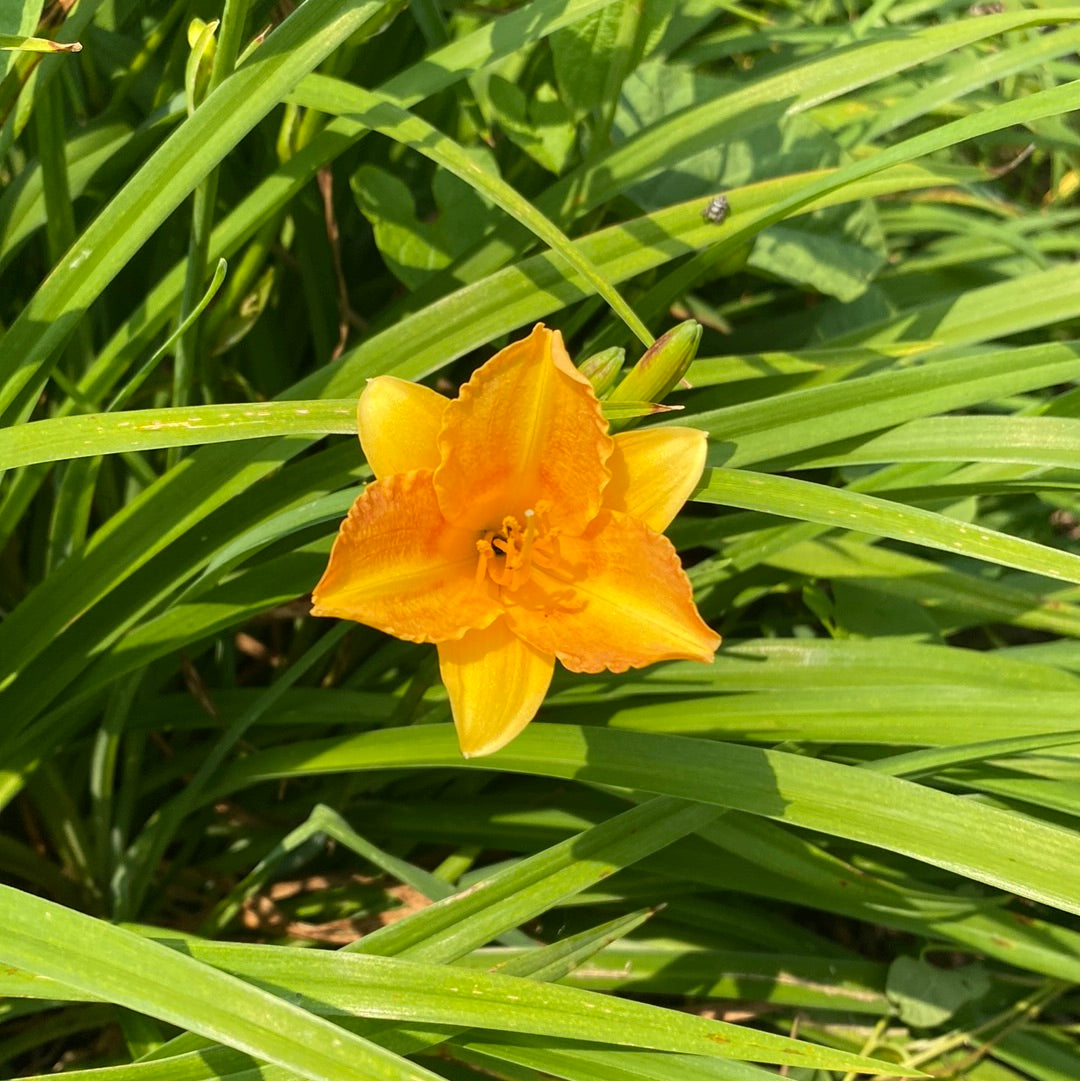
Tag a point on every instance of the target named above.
point(399, 424)
point(629, 603)
point(496, 683)
point(653, 472)
point(526, 429)
point(399, 566)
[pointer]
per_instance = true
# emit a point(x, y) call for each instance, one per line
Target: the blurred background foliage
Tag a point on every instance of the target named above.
point(853, 835)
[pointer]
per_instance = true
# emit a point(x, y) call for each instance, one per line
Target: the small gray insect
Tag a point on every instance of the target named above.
point(716, 210)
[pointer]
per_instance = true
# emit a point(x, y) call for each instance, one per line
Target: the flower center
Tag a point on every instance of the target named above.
point(509, 553)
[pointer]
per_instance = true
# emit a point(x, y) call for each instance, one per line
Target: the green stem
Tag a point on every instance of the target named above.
point(202, 218)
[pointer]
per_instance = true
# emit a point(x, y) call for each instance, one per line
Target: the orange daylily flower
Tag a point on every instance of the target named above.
point(509, 528)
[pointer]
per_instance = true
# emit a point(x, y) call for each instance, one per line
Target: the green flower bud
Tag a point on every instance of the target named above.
point(200, 62)
point(195, 30)
point(602, 369)
point(661, 367)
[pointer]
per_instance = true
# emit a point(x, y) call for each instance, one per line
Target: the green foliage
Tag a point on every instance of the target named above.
point(849, 846)
point(926, 996)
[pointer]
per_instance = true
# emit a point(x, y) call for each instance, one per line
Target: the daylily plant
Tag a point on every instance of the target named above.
point(511, 529)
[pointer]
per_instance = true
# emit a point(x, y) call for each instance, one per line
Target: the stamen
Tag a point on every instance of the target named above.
point(530, 535)
point(509, 555)
point(483, 546)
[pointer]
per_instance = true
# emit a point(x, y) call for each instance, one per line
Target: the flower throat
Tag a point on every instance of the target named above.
point(508, 554)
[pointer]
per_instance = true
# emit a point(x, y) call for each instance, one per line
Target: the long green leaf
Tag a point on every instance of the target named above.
point(90, 434)
point(1050, 442)
point(1006, 850)
point(441, 69)
point(297, 46)
point(115, 964)
point(778, 431)
point(334, 983)
point(932, 713)
point(380, 112)
point(811, 502)
point(958, 599)
point(145, 429)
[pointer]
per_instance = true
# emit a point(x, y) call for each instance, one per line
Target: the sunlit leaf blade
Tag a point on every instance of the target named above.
point(145, 976)
point(328, 984)
point(867, 514)
point(1005, 850)
point(146, 429)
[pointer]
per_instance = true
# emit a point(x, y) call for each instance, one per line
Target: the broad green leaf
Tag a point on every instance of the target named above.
point(583, 55)
point(415, 249)
point(540, 126)
point(927, 996)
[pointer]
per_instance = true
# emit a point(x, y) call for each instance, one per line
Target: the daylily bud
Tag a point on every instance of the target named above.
point(661, 367)
point(602, 369)
point(200, 62)
point(195, 30)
